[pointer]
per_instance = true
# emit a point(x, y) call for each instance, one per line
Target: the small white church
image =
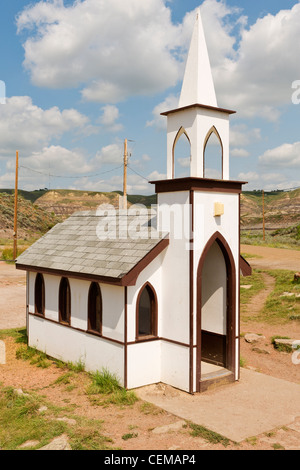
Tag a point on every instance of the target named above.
point(151, 296)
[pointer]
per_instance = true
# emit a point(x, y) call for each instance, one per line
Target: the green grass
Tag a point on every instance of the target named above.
point(129, 435)
point(283, 238)
point(106, 386)
point(19, 335)
point(8, 254)
point(210, 436)
point(279, 308)
point(21, 421)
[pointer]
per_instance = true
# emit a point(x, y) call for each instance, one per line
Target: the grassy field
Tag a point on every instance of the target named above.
point(282, 238)
point(29, 417)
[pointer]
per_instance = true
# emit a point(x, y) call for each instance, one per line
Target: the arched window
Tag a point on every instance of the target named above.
point(95, 308)
point(213, 155)
point(146, 313)
point(39, 295)
point(64, 301)
point(181, 155)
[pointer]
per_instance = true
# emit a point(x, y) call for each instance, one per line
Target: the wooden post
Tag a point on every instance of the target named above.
point(263, 204)
point(16, 208)
point(125, 176)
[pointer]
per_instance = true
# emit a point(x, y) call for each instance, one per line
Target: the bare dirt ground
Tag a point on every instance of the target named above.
point(144, 422)
point(12, 297)
point(273, 258)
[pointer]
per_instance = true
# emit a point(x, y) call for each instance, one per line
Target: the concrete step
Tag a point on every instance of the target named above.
point(216, 379)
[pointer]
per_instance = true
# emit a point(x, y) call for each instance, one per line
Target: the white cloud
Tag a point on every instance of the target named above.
point(269, 181)
point(255, 75)
point(286, 155)
point(27, 127)
point(184, 162)
point(57, 160)
point(238, 152)
point(160, 122)
point(112, 153)
point(241, 135)
point(110, 117)
point(116, 48)
point(135, 184)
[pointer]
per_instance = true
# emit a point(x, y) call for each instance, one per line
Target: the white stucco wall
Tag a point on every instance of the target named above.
point(175, 365)
point(75, 346)
point(175, 325)
point(113, 311)
point(69, 344)
point(143, 363)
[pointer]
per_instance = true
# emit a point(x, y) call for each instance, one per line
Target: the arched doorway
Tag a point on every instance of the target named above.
point(216, 308)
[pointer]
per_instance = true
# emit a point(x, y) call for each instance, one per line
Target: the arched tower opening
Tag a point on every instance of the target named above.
point(213, 155)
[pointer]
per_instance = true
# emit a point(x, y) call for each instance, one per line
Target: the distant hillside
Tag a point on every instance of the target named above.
point(65, 202)
point(29, 195)
point(32, 220)
point(282, 209)
point(41, 209)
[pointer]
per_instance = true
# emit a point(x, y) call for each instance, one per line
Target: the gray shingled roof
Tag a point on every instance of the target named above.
point(98, 245)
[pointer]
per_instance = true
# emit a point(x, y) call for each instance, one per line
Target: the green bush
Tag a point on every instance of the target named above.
point(8, 253)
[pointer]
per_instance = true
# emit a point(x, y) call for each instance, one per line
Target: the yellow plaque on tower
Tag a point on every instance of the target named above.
point(218, 209)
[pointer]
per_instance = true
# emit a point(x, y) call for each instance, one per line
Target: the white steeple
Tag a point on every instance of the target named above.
point(198, 115)
point(198, 86)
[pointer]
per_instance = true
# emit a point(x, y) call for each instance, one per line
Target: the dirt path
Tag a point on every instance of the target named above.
point(257, 303)
point(272, 258)
point(12, 297)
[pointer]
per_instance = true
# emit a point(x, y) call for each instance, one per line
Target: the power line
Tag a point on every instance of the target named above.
point(137, 173)
point(71, 177)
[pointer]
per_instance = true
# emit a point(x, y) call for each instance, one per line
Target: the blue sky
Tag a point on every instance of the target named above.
point(82, 76)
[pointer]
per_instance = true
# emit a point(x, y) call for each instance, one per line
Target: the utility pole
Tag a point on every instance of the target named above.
point(125, 175)
point(263, 205)
point(16, 207)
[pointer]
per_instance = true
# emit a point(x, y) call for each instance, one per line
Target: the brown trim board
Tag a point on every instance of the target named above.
point(191, 299)
point(198, 184)
point(105, 338)
point(201, 106)
point(125, 336)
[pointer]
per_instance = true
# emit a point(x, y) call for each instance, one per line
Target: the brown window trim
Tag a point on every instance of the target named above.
point(61, 321)
point(89, 328)
point(140, 338)
point(40, 277)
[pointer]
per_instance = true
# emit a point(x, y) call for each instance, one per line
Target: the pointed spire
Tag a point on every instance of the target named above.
point(198, 86)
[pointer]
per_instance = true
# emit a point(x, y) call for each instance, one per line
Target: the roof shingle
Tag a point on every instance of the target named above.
point(108, 245)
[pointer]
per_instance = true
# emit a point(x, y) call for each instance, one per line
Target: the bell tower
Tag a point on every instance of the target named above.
point(198, 115)
point(201, 214)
